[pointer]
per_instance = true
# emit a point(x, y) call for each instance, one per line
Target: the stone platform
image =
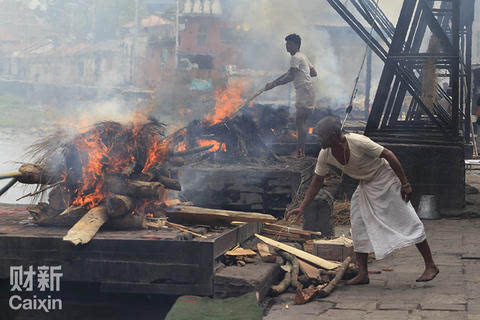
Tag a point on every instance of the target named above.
point(140, 261)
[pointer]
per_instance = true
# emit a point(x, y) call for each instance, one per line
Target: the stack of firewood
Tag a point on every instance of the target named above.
point(310, 276)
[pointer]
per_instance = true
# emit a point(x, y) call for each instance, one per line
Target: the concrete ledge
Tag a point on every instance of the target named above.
point(234, 281)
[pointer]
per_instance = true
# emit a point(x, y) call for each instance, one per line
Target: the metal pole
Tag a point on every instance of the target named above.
point(368, 82)
point(456, 103)
point(176, 35)
point(468, 71)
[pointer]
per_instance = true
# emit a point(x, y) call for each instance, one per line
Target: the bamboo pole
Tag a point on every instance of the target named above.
point(10, 175)
point(8, 186)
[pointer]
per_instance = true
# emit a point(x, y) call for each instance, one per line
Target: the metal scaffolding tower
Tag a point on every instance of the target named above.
point(432, 40)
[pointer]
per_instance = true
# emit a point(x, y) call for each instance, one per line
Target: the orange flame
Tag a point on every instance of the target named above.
point(216, 145)
point(310, 130)
point(156, 153)
point(227, 101)
point(182, 146)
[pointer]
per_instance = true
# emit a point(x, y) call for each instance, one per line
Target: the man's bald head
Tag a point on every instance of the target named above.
point(326, 128)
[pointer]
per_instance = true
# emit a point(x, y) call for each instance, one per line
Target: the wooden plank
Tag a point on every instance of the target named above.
point(329, 265)
point(86, 228)
point(241, 252)
point(205, 214)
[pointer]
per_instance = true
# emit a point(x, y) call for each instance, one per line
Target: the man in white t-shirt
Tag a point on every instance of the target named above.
point(301, 72)
point(381, 215)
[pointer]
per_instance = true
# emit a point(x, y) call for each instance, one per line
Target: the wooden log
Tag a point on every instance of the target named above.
point(324, 292)
point(48, 216)
point(280, 235)
point(213, 215)
point(285, 283)
point(59, 198)
point(134, 188)
point(303, 296)
point(119, 205)
point(86, 228)
point(291, 230)
point(329, 265)
point(310, 271)
point(295, 268)
point(169, 183)
point(129, 221)
point(35, 174)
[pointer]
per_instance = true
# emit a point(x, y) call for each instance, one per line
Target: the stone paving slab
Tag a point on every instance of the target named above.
point(453, 295)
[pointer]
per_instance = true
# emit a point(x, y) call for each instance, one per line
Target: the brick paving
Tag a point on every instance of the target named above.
point(453, 295)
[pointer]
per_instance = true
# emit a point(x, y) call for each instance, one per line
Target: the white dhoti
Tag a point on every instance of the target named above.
point(381, 220)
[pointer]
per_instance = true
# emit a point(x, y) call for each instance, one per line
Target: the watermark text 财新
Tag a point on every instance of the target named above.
point(29, 279)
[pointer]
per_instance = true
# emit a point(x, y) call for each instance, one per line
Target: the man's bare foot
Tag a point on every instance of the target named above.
point(429, 274)
point(359, 279)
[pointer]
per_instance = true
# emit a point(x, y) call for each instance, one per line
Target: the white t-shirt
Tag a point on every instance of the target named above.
point(364, 158)
point(302, 81)
point(301, 62)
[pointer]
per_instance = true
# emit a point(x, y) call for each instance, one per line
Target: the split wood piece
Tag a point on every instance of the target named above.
point(119, 205)
point(191, 151)
point(86, 228)
point(290, 230)
point(329, 265)
point(212, 215)
point(324, 292)
point(169, 183)
point(303, 296)
point(135, 188)
point(35, 174)
point(44, 215)
point(285, 283)
point(310, 271)
point(265, 254)
point(241, 252)
point(183, 228)
point(295, 268)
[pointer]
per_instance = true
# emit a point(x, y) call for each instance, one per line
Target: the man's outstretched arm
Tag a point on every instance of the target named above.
point(315, 186)
point(283, 79)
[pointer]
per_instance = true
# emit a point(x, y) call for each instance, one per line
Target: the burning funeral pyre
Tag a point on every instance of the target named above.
point(112, 174)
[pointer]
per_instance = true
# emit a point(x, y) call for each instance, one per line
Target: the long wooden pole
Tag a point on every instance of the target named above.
point(10, 175)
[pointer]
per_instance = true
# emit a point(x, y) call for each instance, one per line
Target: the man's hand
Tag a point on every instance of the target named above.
point(269, 86)
point(294, 212)
point(406, 192)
